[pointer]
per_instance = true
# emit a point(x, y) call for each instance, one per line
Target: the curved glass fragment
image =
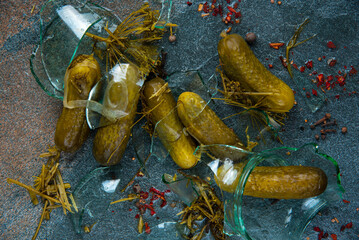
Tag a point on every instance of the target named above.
point(93, 196)
point(112, 97)
point(165, 14)
point(254, 217)
point(63, 24)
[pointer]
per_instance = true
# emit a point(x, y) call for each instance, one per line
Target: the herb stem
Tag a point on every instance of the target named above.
point(9, 180)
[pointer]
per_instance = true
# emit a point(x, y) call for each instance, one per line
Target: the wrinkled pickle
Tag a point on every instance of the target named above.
point(206, 127)
point(72, 129)
point(241, 65)
point(110, 141)
point(284, 182)
point(158, 100)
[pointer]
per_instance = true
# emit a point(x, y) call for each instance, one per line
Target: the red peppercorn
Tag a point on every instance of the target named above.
point(309, 64)
point(349, 225)
point(147, 228)
point(331, 45)
point(332, 62)
point(302, 68)
point(317, 229)
point(352, 71)
point(231, 9)
point(189, 3)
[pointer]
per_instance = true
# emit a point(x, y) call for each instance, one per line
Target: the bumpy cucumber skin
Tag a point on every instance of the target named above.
point(110, 141)
point(284, 182)
point(205, 126)
point(72, 129)
point(170, 130)
point(241, 65)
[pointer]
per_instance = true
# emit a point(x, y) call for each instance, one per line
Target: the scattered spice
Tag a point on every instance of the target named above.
point(309, 64)
point(346, 226)
point(331, 62)
point(276, 45)
point(136, 188)
point(147, 228)
point(346, 201)
point(328, 123)
point(200, 7)
point(344, 130)
point(314, 92)
point(283, 61)
point(250, 37)
point(352, 71)
point(172, 38)
point(189, 3)
point(232, 16)
point(317, 229)
point(325, 131)
point(331, 45)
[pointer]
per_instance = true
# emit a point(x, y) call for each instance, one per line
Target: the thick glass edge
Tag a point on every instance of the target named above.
point(249, 167)
point(32, 56)
point(39, 44)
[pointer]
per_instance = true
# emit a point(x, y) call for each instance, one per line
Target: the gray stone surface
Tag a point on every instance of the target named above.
point(28, 116)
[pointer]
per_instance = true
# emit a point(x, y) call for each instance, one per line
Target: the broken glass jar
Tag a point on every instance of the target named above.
point(280, 207)
point(63, 25)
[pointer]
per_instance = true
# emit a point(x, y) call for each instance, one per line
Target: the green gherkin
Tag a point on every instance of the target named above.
point(241, 65)
point(72, 129)
point(122, 94)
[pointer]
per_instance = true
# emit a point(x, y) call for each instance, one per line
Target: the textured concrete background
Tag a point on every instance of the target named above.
point(28, 117)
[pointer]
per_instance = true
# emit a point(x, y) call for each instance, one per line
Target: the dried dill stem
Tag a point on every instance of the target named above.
point(50, 187)
point(293, 43)
point(130, 41)
point(125, 199)
point(235, 95)
point(44, 210)
point(207, 206)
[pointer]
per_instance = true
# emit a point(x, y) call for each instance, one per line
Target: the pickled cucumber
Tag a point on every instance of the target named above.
point(241, 65)
point(110, 141)
point(205, 126)
point(72, 129)
point(158, 100)
point(283, 182)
